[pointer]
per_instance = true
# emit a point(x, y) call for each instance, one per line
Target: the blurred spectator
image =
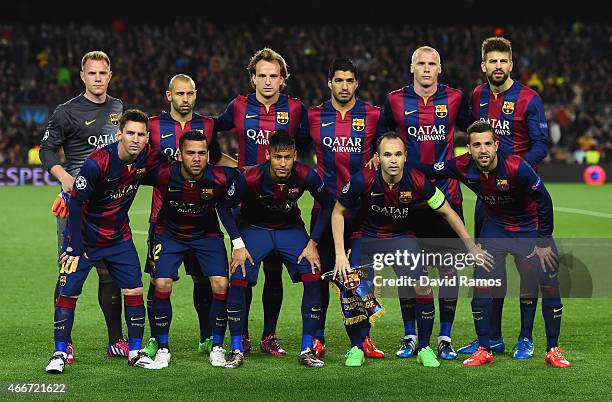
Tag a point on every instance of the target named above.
point(568, 64)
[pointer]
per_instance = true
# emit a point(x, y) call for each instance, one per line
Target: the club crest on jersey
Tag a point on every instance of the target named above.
point(358, 124)
point(508, 107)
point(352, 281)
point(282, 117)
point(80, 183)
point(293, 193)
point(140, 173)
point(346, 187)
point(441, 111)
point(502, 185)
point(207, 194)
point(405, 197)
point(114, 118)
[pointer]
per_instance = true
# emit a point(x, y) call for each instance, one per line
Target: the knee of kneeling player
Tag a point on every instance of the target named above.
point(132, 292)
point(219, 284)
point(163, 285)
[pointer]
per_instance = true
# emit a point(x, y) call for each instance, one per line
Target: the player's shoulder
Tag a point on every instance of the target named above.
point(527, 93)
point(369, 107)
point(397, 92)
point(479, 88)
point(64, 108)
point(101, 156)
point(316, 108)
point(114, 102)
point(154, 119)
point(450, 91)
point(303, 170)
point(291, 99)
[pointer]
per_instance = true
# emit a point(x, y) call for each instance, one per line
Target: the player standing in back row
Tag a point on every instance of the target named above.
point(255, 117)
point(80, 126)
point(516, 112)
point(425, 114)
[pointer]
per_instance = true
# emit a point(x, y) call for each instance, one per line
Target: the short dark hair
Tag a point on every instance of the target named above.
point(193, 135)
point(281, 139)
point(136, 115)
point(342, 64)
point(480, 126)
point(389, 135)
point(496, 44)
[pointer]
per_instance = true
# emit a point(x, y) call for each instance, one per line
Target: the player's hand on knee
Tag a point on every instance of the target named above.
point(60, 205)
point(312, 256)
point(547, 257)
point(239, 257)
point(481, 256)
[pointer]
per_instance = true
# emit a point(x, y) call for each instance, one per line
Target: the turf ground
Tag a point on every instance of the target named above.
point(27, 230)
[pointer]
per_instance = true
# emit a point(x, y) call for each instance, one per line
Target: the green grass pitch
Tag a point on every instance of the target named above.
point(27, 247)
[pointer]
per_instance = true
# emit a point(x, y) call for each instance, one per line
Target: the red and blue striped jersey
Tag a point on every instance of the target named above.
point(164, 135)
point(514, 196)
point(254, 124)
point(428, 126)
point(165, 132)
point(188, 209)
point(106, 187)
point(343, 145)
point(383, 211)
point(517, 115)
point(272, 205)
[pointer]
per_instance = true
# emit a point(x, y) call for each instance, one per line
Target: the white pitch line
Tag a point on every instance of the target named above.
point(576, 211)
point(583, 212)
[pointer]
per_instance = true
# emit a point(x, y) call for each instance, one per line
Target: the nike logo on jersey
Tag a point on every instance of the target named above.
point(410, 112)
point(552, 276)
point(233, 311)
point(113, 179)
point(173, 190)
point(136, 318)
point(327, 124)
point(375, 194)
point(87, 123)
point(484, 104)
point(167, 135)
point(556, 310)
point(263, 196)
point(161, 318)
point(57, 322)
point(250, 116)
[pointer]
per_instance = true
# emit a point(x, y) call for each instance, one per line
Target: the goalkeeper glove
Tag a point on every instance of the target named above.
point(60, 205)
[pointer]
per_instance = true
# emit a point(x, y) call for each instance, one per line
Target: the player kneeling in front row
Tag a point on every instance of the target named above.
point(270, 220)
point(187, 222)
point(98, 231)
point(519, 221)
point(384, 200)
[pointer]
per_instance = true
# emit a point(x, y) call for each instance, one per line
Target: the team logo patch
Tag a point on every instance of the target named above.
point(346, 187)
point(207, 194)
point(293, 193)
point(231, 190)
point(140, 173)
point(80, 182)
point(441, 111)
point(114, 118)
point(352, 281)
point(405, 197)
point(282, 117)
point(508, 107)
point(358, 124)
point(62, 280)
point(438, 166)
point(502, 185)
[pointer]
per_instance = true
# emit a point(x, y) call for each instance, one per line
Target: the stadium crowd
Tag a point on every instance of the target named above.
point(567, 65)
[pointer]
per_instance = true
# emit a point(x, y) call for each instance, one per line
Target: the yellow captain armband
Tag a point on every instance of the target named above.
point(436, 200)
